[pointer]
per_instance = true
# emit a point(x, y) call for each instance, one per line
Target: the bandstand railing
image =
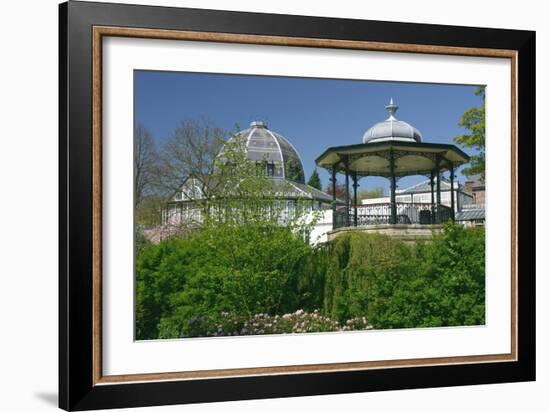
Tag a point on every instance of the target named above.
point(380, 213)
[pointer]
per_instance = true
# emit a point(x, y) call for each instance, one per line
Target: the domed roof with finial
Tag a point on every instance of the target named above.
point(265, 145)
point(392, 129)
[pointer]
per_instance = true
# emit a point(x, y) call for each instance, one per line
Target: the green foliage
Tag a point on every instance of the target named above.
point(160, 270)
point(315, 180)
point(141, 241)
point(371, 193)
point(229, 279)
point(244, 258)
point(359, 267)
point(244, 270)
point(148, 211)
point(293, 171)
point(473, 120)
point(240, 192)
point(441, 283)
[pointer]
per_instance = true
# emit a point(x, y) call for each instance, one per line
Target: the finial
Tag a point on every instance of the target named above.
point(392, 108)
point(258, 123)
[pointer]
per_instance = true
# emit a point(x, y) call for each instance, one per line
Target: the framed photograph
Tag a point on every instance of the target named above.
point(256, 206)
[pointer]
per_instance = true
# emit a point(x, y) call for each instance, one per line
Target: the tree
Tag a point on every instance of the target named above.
point(144, 163)
point(293, 170)
point(373, 193)
point(242, 258)
point(394, 285)
point(340, 190)
point(148, 212)
point(222, 185)
point(473, 120)
point(240, 192)
point(191, 149)
point(315, 180)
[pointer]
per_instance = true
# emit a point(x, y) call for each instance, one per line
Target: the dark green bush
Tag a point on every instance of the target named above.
point(185, 285)
point(244, 270)
point(438, 283)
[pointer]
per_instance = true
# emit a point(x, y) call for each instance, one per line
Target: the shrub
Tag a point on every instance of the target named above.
point(256, 274)
point(346, 274)
point(161, 270)
point(228, 324)
point(243, 270)
point(447, 288)
point(438, 283)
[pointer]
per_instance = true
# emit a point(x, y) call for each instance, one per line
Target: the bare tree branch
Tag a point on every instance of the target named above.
point(144, 162)
point(191, 149)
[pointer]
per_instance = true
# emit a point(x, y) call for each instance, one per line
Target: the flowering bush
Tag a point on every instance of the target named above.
point(263, 324)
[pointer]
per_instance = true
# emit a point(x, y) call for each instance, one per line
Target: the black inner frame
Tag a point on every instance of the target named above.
point(76, 389)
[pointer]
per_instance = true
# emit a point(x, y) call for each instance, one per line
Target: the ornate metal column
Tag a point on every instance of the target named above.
point(438, 188)
point(346, 164)
point(452, 192)
point(432, 200)
point(355, 186)
point(333, 181)
point(393, 205)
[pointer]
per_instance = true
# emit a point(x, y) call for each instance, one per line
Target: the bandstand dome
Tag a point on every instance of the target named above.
point(265, 145)
point(392, 129)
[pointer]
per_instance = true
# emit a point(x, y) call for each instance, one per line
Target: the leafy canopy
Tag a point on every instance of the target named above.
point(473, 120)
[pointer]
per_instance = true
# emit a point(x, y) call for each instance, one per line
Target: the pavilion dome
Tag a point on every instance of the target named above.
point(392, 129)
point(265, 145)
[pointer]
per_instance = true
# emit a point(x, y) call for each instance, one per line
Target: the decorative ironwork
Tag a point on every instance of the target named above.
point(380, 213)
point(339, 218)
point(355, 186)
point(452, 192)
point(346, 165)
point(393, 184)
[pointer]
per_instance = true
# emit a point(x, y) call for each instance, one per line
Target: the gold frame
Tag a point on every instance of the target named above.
point(101, 31)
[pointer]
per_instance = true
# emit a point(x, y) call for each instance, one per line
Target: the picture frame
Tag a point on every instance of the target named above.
point(82, 28)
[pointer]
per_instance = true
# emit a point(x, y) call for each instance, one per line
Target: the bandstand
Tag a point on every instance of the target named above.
point(392, 149)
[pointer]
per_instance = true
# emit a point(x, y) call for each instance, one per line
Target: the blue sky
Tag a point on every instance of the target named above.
point(313, 114)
